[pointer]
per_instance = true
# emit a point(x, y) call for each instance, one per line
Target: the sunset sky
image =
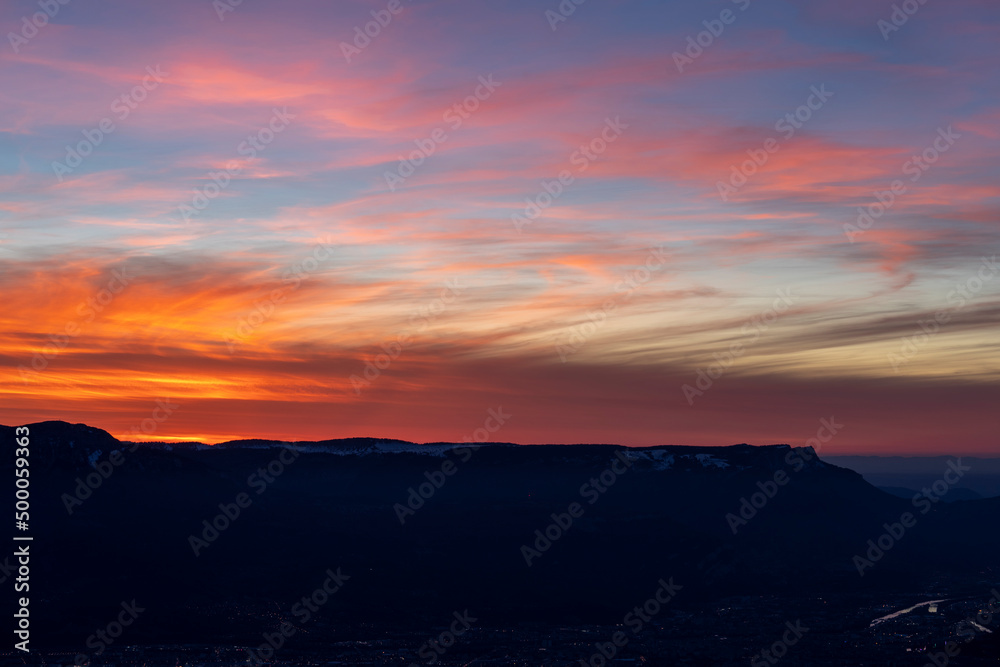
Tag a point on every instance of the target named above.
point(206, 203)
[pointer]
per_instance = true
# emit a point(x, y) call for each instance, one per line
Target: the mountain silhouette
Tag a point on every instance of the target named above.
point(426, 529)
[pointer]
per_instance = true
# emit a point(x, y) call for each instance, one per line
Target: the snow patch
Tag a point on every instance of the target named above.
point(364, 450)
point(92, 457)
point(661, 459)
point(707, 460)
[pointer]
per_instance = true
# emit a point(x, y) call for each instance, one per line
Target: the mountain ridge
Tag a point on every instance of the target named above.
point(81, 447)
point(424, 535)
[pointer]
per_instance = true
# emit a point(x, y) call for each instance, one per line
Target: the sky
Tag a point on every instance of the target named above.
point(643, 223)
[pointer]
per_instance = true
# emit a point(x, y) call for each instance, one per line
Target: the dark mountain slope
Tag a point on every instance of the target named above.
point(337, 504)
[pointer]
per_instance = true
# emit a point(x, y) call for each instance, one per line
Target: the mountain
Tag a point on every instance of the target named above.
point(218, 542)
point(982, 479)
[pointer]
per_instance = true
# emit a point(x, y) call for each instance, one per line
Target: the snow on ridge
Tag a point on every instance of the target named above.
point(707, 460)
point(93, 456)
point(166, 446)
point(660, 458)
point(378, 448)
point(432, 450)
